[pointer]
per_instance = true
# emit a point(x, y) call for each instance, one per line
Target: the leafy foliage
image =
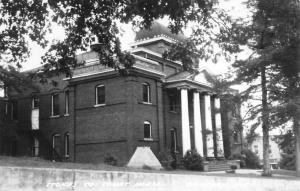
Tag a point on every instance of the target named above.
point(252, 160)
point(83, 21)
point(288, 161)
point(110, 160)
point(248, 159)
point(287, 145)
point(251, 136)
point(192, 160)
point(19, 21)
point(270, 34)
point(167, 160)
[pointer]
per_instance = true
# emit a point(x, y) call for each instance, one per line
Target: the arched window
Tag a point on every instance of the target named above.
point(146, 93)
point(66, 145)
point(100, 94)
point(147, 130)
point(173, 140)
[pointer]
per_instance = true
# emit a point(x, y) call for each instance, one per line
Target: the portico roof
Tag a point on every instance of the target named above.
point(195, 80)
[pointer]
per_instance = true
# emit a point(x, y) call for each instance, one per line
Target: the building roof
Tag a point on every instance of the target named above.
point(201, 77)
point(158, 29)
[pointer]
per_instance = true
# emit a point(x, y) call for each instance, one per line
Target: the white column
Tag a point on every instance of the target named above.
point(219, 136)
point(208, 126)
point(185, 126)
point(197, 124)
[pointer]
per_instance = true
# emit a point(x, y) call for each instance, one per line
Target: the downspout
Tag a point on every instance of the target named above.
point(157, 115)
point(74, 123)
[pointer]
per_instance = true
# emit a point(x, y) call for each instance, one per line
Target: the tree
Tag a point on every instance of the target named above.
point(82, 21)
point(287, 143)
point(273, 35)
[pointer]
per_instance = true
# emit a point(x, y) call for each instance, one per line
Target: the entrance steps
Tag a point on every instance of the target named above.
point(223, 165)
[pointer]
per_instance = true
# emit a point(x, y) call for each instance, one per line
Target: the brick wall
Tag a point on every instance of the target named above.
point(119, 123)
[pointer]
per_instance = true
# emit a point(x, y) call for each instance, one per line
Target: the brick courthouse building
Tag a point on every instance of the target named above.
point(98, 111)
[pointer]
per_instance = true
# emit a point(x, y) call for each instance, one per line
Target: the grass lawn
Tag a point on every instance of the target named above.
point(41, 163)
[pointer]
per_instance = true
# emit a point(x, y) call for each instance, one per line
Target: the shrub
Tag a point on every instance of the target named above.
point(288, 161)
point(167, 160)
point(110, 160)
point(192, 160)
point(146, 167)
point(248, 159)
point(238, 156)
point(233, 167)
point(251, 159)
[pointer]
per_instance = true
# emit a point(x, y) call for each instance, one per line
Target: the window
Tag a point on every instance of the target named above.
point(14, 110)
point(146, 93)
point(66, 141)
point(147, 130)
point(174, 140)
point(67, 102)
point(55, 105)
point(35, 148)
point(6, 108)
point(172, 103)
point(5, 91)
point(55, 146)
point(35, 103)
point(100, 95)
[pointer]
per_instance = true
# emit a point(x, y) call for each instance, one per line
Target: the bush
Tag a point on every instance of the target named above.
point(239, 157)
point(110, 160)
point(167, 160)
point(233, 167)
point(252, 160)
point(192, 160)
point(288, 161)
point(146, 167)
point(248, 159)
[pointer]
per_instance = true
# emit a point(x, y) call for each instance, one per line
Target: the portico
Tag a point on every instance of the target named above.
point(201, 126)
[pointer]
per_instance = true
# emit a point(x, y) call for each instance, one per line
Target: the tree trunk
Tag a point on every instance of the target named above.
point(297, 136)
point(265, 124)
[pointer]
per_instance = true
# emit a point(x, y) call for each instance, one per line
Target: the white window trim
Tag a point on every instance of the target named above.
point(32, 103)
point(148, 138)
point(6, 108)
point(96, 97)
point(36, 145)
point(67, 146)
point(99, 105)
point(52, 107)
point(53, 138)
point(147, 103)
point(67, 103)
point(148, 93)
point(12, 111)
point(5, 91)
